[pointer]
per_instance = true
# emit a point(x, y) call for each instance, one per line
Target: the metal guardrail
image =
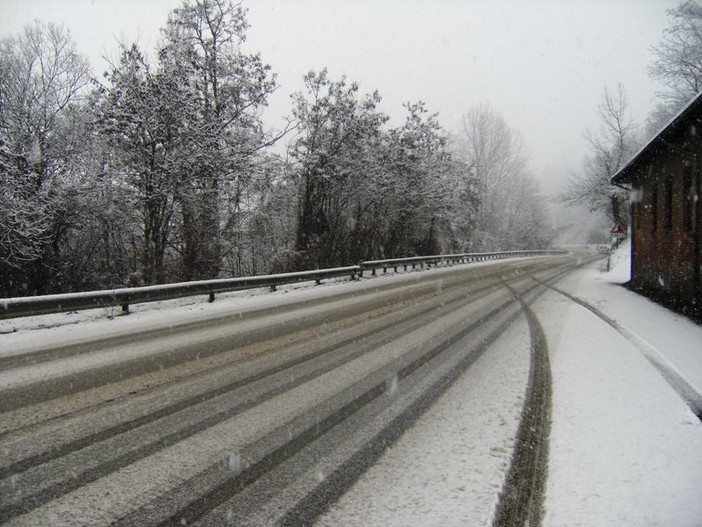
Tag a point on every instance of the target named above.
point(448, 259)
point(39, 305)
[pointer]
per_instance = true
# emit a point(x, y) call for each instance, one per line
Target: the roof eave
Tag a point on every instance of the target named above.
point(626, 173)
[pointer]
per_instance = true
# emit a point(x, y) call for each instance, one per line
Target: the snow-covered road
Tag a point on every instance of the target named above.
point(391, 401)
point(624, 447)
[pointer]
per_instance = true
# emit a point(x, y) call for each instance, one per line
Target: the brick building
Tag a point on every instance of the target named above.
point(664, 179)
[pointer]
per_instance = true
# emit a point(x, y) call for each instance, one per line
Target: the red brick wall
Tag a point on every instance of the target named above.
point(663, 262)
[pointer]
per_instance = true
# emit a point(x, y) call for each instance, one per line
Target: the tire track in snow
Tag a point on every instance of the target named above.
point(82, 371)
point(275, 457)
point(675, 380)
point(314, 503)
point(521, 499)
point(128, 439)
point(134, 448)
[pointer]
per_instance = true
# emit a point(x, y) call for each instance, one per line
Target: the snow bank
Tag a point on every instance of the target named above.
point(673, 338)
point(620, 263)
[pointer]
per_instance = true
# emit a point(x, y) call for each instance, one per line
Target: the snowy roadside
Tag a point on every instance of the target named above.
point(624, 446)
point(676, 338)
point(37, 331)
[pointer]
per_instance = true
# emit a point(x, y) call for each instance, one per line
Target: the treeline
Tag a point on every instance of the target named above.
point(162, 170)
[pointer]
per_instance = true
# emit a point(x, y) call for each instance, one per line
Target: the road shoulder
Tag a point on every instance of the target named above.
point(624, 446)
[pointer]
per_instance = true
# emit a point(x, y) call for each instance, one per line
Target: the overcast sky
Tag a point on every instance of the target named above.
point(542, 64)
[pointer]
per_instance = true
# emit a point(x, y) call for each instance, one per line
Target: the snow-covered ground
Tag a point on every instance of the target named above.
point(449, 467)
point(624, 447)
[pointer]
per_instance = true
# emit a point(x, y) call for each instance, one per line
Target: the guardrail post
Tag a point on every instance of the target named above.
point(124, 304)
point(211, 297)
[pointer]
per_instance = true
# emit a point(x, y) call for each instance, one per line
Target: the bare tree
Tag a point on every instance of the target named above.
point(333, 151)
point(230, 88)
point(609, 149)
point(677, 63)
point(41, 77)
point(143, 121)
point(498, 161)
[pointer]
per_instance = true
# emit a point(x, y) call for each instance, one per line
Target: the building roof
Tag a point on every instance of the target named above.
point(691, 112)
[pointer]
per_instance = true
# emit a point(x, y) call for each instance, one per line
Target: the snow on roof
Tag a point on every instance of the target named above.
point(624, 174)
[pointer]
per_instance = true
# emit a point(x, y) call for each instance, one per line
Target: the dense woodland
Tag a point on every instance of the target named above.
point(161, 170)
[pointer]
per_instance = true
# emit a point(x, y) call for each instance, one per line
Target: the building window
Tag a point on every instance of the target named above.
point(654, 206)
point(669, 205)
point(688, 196)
